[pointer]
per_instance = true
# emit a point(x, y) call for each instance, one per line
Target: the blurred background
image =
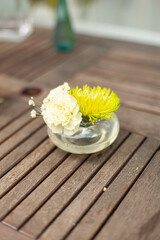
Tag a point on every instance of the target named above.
point(130, 20)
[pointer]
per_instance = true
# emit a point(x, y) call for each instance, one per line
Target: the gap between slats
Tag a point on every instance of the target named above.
point(28, 171)
point(83, 185)
point(142, 227)
point(107, 185)
point(88, 180)
point(118, 200)
point(134, 140)
point(22, 60)
point(125, 194)
point(19, 145)
point(132, 62)
point(12, 126)
point(19, 48)
point(31, 76)
point(14, 119)
point(42, 179)
point(58, 187)
point(21, 141)
point(45, 63)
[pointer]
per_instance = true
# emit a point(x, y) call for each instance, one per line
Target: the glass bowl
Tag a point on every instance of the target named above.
point(88, 138)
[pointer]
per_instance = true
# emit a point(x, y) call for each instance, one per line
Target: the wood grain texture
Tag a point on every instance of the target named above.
point(70, 189)
point(30, 182)
point(140, 210)
point(137, 88)
point(67, 70)
point(133, 72)
point(144, 123)
point(19, 136)
point(20, 152)
point(43, 191)
point(26, 165)
point(16, 67)
point(148, 58)
point(8, 233)
point(73, 212)
point(110, 43)
point(127, 83)
point(10, 110)
point(49, 194)
point(15, 126)
point(8, 92)
point(93, 220)
point(137, 71)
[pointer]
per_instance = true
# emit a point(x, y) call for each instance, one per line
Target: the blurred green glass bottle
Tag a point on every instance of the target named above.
point(64, 38)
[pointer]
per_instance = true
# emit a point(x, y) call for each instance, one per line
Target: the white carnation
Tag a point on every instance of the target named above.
point(60, 111)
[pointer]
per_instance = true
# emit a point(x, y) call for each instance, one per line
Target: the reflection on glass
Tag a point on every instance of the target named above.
point(15, 22)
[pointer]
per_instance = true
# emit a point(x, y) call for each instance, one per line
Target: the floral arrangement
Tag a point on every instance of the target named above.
point(65, 108)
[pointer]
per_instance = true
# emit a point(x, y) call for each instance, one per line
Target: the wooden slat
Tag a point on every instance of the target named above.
point(140, 71)
point(17, 96)
point(49, 62)
point(31, 181)
point(21, 151)
point(47, 193)
point(140, 210)
point(26, 165)
point(128, 71)
point(70, 188)
point(21, 58)
point(5, 46)
point(143, 123)
point(9, 234)
point(10, 110)
point(150, 58)
point(13, 48)
point(36, 62)
point(20, 136)
point(7, 92)
point(139, 103)
point(14, 126)
point(101, 210)
point(44, 190)
point(68, 69)
point(153, 231)
point(20, 47)
point(81, 203)
point(109, 43)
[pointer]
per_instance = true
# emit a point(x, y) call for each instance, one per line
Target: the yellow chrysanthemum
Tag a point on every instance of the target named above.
point(95, 103)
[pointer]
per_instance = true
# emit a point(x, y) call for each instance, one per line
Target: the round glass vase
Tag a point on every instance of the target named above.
point(89, 138)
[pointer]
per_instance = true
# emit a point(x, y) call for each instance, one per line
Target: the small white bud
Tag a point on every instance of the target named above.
point(33, 114)
point(31, 102)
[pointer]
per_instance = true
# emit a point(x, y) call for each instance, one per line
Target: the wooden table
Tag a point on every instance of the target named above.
point(49, 194)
